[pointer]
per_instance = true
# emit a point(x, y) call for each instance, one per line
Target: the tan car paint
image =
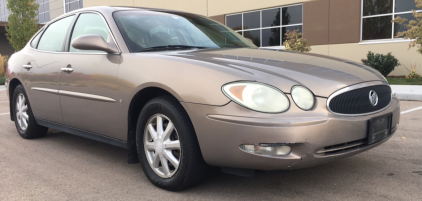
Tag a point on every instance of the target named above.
point(96, 96)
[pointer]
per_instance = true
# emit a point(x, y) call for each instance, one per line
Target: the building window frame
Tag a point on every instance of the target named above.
point(65, 5)
point(45, 12)
point(281, 26)
point(393, 39)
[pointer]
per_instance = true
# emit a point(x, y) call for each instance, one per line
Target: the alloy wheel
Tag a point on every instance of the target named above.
point(162, 146)
point(22, 112)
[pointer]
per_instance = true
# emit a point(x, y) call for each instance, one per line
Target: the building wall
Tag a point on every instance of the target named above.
point(56, 8)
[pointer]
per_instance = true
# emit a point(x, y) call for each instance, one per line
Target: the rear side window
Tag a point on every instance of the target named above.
point(34, 42)
point(88, 24)
point(53, 38)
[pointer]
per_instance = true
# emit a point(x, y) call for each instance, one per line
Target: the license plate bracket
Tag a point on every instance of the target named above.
point(379, 128)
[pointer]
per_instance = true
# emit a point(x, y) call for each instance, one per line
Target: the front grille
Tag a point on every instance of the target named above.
point(357, 101)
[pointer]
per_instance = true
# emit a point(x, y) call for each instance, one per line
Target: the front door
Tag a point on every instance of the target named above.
point(89, 87)
point(42, 65)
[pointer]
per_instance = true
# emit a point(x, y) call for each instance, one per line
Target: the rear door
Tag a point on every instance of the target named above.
point(42, 65)
point(89, 87)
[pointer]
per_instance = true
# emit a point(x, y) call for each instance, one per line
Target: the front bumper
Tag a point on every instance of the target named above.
point(221, 130)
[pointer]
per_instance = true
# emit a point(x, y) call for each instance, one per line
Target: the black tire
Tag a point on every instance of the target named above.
point(33, 130)
point(192, 169)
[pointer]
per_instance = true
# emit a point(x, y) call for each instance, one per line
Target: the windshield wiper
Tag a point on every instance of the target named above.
point(170, 47)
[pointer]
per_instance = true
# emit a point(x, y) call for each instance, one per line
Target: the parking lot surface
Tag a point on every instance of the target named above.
point(61, 166)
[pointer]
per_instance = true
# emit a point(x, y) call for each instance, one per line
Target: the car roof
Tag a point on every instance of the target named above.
point(111, 9)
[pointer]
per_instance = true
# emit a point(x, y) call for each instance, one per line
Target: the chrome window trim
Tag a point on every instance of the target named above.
point(354, 87)
point(74, 94)
point(85, 53)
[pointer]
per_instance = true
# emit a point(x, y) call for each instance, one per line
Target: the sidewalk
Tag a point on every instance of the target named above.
point(2, 88)
point(407, 92)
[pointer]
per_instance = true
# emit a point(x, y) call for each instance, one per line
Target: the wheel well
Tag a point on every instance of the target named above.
point(135, 107)
point(12, 85)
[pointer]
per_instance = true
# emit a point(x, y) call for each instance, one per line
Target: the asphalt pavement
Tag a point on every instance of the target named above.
point(61, 166)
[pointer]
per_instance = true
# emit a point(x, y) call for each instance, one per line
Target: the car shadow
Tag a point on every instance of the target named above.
point(332, 177)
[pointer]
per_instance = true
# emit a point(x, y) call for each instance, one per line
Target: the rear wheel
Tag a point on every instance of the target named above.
point(167, 146)
point(24, 119)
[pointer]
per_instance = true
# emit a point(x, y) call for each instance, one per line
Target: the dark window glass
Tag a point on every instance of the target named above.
point(292, 15)
point(254, 36)
point(53, 38)
point(375, 7)
point(234, 21)
point(89, 23)
point(398, 27)
point(405, 5)
point(271, 37)
point(34, 42)
point(376, 28)
point(252, 20)
point(271, 17)
point(292, 28)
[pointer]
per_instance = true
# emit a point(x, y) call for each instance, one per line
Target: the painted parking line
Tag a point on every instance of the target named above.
point(4, 101)
point(4, 114)
point(411, 110)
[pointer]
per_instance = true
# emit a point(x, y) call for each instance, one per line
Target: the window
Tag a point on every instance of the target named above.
point(4, 13)
point(378, 14)
point(36, 39)
point(266, 28)
point(71, 5)
point(148, 29)
point(89, 23)
point(53, 38)
point(43, 11)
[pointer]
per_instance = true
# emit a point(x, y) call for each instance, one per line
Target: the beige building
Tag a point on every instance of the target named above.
point(340, 28)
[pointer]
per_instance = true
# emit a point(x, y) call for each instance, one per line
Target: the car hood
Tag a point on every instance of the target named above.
point(322, 74)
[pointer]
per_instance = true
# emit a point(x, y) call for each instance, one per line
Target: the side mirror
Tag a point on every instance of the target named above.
point(94, 42)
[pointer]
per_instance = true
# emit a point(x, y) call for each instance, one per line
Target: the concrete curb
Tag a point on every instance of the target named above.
point(407, 92)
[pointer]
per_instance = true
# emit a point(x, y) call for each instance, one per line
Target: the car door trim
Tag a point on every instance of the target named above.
point(83, 133)
point(86, 96)
point(52, 91)
point(75, 94)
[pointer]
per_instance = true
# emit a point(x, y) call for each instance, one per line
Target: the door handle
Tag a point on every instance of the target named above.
point(67, 69)
point(27, 66)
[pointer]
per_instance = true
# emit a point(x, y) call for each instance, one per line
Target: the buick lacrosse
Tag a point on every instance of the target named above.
point(183, 93)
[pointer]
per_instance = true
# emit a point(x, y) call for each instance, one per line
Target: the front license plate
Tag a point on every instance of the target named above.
point(379, 128)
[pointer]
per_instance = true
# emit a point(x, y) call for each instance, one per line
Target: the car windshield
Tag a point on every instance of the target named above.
point(156, 31)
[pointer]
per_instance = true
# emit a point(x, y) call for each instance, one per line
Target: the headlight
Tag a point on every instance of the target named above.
point(303, 97)
point(257, 96)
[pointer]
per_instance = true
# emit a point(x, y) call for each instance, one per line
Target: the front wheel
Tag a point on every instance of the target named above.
point(167, 146)
point(23, 116)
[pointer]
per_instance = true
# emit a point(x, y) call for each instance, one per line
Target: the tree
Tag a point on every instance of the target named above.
point(22, 23)
point(414, 28)
point(295, 42)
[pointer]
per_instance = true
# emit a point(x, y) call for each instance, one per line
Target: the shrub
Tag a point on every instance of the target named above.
point(296, 42)
point(5, 60)
point(2, 66)
point(2, 79)
point(383, 63)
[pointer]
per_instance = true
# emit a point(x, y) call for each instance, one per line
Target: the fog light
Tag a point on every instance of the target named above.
point(266, 149)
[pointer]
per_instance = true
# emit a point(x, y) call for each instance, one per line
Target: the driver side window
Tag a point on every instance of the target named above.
point(87, 24)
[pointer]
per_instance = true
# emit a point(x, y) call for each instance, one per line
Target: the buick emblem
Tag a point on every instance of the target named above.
point(373, 98)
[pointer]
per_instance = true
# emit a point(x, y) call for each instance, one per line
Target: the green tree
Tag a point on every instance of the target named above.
point(22, 23)
point(414, 28)
point(295, 42)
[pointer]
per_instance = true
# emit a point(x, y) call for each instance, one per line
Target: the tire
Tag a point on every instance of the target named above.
point(192, 169)
point(24, 120)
